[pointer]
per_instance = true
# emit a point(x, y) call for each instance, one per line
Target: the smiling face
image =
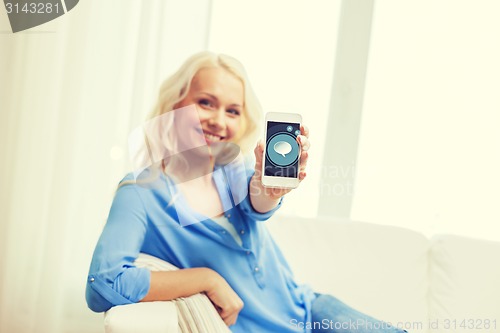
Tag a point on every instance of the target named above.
point(219, 99)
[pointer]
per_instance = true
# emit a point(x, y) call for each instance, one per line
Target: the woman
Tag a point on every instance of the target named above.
point(198, 208)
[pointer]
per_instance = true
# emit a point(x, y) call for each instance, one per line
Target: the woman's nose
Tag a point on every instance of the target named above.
point(217, 120)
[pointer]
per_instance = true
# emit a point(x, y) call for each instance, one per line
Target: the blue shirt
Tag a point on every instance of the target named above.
point(155, 219)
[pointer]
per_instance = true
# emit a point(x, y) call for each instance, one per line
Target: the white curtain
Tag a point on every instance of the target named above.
point(70, 93)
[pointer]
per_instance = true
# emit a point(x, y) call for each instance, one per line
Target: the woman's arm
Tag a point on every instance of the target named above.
point(165, 286)
point(263, 200)
point(113, 278)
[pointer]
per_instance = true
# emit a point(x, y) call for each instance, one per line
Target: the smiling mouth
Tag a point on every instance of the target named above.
point(210, 137)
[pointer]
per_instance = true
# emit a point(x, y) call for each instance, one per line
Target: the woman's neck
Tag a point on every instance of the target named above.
point(197, 164)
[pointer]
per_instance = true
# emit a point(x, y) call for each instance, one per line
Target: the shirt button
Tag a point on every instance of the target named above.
point(92, 279)
point(256, 269)
point(242, 231)
point(228, 215)
point(248, 252)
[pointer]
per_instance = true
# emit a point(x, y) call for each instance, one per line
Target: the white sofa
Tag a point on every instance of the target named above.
point(443, 284)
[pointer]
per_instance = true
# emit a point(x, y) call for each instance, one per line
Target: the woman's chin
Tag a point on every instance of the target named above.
point(225, 152)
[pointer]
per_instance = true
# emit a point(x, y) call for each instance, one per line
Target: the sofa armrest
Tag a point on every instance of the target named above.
point(464, 285)
point(147, 317)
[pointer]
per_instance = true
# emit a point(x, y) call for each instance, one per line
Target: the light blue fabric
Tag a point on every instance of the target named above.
point(331, 315)
point(144, 218)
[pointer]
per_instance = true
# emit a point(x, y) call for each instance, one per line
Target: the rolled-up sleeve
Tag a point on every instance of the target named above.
point(113, 279)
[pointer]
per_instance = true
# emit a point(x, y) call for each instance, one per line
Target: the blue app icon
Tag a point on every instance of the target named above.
point(282, 149)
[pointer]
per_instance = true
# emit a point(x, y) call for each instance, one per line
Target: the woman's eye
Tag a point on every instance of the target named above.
point(205, 102)
point(234, 112)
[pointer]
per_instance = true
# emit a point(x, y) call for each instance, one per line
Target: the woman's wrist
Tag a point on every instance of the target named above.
point(211, 279)
point(263, 199)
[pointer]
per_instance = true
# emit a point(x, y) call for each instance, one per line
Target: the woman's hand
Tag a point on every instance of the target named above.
point(226, 301)
point(266, 198)
point(169, 285)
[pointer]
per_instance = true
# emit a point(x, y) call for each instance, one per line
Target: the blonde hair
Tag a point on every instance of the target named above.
point(175, 88)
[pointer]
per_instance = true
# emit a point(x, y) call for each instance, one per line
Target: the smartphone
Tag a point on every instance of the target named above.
point(280, 167)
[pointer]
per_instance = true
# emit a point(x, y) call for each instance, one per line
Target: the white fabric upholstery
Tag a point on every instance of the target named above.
point(147, 317)
point(465, 283)
point(379, 270)
point(393, 274)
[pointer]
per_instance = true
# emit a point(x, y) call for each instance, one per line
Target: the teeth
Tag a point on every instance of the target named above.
point(211, 137)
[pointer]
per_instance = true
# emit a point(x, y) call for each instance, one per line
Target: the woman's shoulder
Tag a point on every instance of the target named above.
point(145, 183)
point(142, 194)
point(149, 177)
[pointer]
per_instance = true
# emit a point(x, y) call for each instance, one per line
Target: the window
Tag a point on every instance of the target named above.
point(429, 151)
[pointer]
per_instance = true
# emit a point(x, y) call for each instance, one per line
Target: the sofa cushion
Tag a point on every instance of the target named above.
point(379, 270)
point(464, 275)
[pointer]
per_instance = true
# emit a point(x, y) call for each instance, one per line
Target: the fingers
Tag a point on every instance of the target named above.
point(230, 314)
point(259, 149)
point(303, 142)
point(225, 300)
point(304, 157)
point(259, 152)
point(229, 319)
point(304, 130)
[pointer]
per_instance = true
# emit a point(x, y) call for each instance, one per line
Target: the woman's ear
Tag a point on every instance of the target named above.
point(183, 90)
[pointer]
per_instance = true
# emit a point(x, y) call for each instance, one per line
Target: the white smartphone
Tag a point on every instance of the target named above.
point(280, 165)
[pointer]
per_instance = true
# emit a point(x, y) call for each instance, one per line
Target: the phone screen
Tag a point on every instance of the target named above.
point(282, 149)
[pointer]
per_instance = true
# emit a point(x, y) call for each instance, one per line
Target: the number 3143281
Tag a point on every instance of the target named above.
point(32, 8)
point(471, 324)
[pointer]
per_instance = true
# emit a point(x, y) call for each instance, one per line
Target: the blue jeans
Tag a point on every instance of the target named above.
point(330, 315)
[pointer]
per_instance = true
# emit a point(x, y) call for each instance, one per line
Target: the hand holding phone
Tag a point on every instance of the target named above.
point(281, 161)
